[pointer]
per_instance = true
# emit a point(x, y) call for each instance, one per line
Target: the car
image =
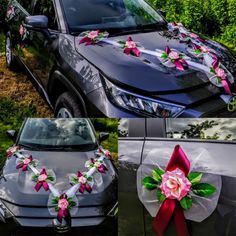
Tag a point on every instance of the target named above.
point(100, 80)
point(145, 140)
point(62, 147)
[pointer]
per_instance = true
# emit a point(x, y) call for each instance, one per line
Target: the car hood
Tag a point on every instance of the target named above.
point(17, 186)
point(146, 73)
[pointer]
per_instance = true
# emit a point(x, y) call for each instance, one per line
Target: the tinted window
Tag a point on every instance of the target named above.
point(45, 7)
point(109, 14)
point(58, 133)
point(26, 4)
point(218, 129)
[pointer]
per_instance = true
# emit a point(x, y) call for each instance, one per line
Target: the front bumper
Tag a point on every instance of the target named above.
point(89, 219)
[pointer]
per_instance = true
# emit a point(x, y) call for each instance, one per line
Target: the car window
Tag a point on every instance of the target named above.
point(217, 129)
point(109, 14)
point(26, 4)
point(58, 133)
point(46, 7)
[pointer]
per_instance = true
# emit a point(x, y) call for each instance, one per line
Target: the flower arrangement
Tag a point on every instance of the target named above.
point(62, 202)
point(175, 189)
point(92, 37)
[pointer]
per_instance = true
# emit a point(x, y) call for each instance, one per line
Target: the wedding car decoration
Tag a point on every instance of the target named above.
point(62, 202)
point(10, 12)
point(171, 57)
point(177, 190)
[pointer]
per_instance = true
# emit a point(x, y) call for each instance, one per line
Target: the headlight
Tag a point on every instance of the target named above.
point(142, 105)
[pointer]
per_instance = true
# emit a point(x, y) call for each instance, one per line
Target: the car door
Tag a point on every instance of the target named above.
point(39, 54)
point(218, 160)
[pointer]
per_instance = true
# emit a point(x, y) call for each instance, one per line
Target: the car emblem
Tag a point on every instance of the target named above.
point(232, 104)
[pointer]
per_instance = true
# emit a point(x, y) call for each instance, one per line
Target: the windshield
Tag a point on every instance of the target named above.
point(108, 15)
point(58, 134)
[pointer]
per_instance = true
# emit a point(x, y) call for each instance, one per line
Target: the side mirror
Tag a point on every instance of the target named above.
point(103, 136)
point(12, 134)
point(37, 23)
point(163, 13)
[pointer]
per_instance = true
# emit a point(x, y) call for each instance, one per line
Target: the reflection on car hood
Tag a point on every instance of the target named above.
point(18, 187)
point(146, 73)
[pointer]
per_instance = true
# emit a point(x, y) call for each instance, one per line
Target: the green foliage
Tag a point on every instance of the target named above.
point(161, 197)
point(11, 118)
point(203, 189)
point(149, 183)
point(214, 18)
point(195, 177)
point(157, 174)
point(186, 202)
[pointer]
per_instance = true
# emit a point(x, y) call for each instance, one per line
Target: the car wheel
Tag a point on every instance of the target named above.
point(67, 106)
point(10, 58)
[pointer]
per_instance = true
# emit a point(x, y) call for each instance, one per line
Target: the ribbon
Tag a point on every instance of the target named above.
point(10, 152)
point(171, 207)
point(63, 212)
point(42, 181)
point(131, 48)
point(24, 163)
point(176, 59)
point(220, 73)
point(83, 183)
point(99, 165)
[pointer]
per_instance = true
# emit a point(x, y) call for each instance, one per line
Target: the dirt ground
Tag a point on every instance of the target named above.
point(19, 88)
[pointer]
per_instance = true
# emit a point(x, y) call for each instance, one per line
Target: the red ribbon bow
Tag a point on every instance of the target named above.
point(101, 167)
point(224, 81)
point(42, 183)
point(63, 212)
point(89, 40)
point(24, 164)
point(171, 207)
point(83, 186)
point(131, 48)
point(179, 62)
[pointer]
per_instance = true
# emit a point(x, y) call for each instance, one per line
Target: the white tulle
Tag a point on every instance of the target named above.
point(202, 207)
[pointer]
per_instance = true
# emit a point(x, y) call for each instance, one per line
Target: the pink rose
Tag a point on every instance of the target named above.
point(220, 72)
point(204, 49)
point(174, 55)
point(130, 44)
point(93, 34)
point(82, 180)
point(26, 161)
point(107, 153)
point(63, 204)
point(42, 177)
point(22, 30)
point(192, 35)
point(175, 185)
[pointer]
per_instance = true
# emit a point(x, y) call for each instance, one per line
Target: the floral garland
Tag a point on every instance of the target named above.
point(175, 188)
point(64, 202)
point(220, 76)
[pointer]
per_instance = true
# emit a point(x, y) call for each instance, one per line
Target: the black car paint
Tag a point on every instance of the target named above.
point(30, 209)
point(60, 64)
point(144, 137)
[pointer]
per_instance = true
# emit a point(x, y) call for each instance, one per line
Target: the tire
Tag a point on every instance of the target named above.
point(10, 58)
point(67, 106)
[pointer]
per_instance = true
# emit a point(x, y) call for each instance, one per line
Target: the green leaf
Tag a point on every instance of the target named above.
point(90, 178)
point(203, 189)
point(157, 173)
point(212, 70)
point(164, 56)
point(161, 197)
point(54, 201)
point(57, 208)
point(186, 202)
point(72, 204)
point(50, 178)
point(149, 183)
point(195, 177)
